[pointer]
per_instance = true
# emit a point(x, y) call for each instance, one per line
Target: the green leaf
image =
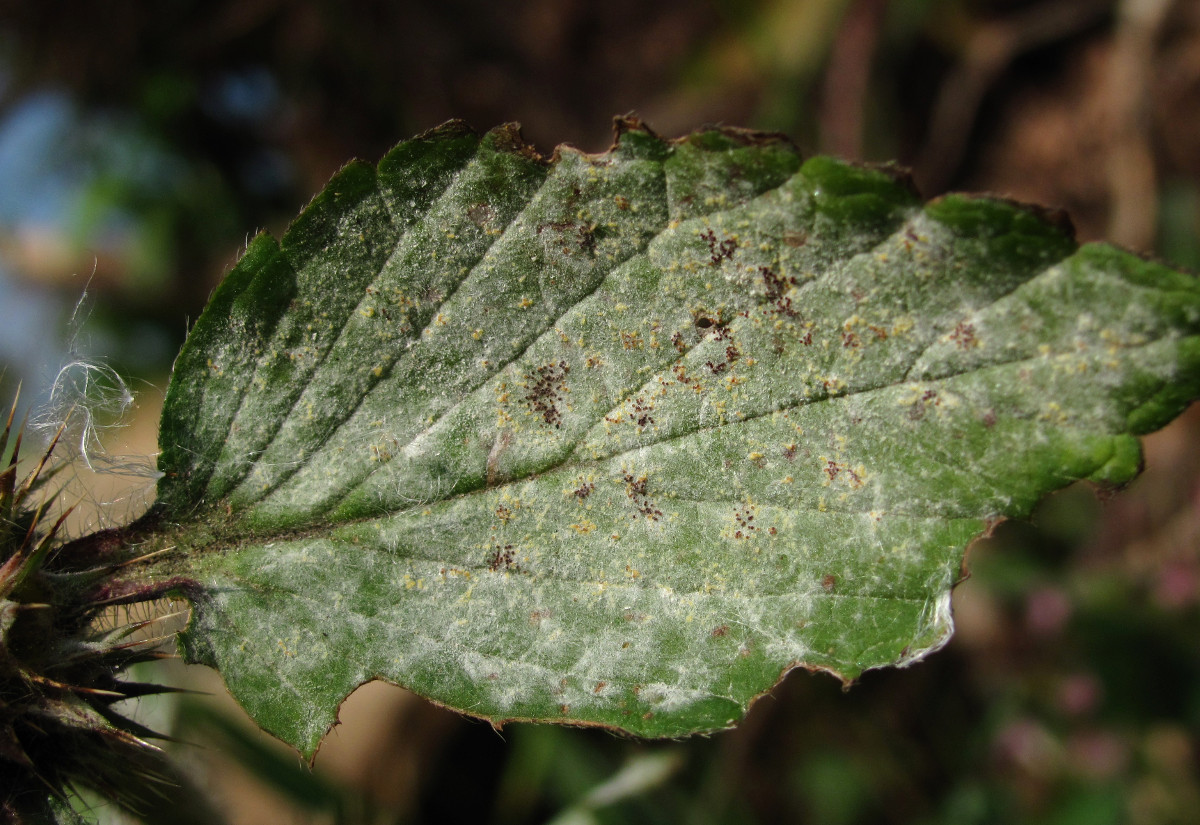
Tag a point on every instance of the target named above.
point(618, 440)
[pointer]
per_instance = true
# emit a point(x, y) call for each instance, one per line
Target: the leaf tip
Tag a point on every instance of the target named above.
point(507, 137)
point(629, 122)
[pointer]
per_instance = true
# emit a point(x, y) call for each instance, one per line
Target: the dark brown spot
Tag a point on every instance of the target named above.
point(720, 251)
point(829, 582)
point(502, 558)
point(732, 353)
point(776, 285)
point(963, 335)
point(640, 412)
point(635, 490)
point(723, 630)
point(546, 388)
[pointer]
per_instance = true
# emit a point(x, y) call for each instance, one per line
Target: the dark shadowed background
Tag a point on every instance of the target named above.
point(142, 144)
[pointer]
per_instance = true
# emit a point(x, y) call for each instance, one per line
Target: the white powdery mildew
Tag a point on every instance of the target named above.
point(665, 432)
point(937, 621)
point(671, 698)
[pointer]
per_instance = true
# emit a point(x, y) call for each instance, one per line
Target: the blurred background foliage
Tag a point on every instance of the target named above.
point(141, 144)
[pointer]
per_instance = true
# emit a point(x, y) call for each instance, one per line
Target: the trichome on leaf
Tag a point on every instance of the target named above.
point(620, 439)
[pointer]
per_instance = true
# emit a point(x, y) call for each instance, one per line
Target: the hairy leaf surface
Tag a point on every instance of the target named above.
point(619, 439)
